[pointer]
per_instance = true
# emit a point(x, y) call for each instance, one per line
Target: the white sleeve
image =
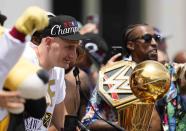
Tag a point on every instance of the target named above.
point(10, 51)
point(61, 90)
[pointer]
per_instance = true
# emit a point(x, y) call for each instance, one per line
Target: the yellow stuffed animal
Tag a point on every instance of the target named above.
point(31, 81)
point(27, 78)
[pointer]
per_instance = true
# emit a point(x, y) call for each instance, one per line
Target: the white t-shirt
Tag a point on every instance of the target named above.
point(56, 90)
point(10, 51)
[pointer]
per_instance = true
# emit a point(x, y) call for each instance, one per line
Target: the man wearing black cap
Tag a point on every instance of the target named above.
point(56, 48)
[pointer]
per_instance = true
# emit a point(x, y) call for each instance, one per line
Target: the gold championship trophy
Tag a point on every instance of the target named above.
point(148, 81)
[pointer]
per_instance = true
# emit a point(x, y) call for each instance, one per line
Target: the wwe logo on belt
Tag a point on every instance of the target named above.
point(114, 83)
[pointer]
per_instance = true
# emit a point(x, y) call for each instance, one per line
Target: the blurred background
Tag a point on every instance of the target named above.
point(114, 15)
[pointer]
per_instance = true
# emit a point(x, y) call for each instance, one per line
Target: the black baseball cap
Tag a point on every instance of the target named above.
point(96, 47)
point(63, 26)
point(94, 41)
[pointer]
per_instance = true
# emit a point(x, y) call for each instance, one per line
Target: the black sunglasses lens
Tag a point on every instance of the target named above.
point(147, 38)
point(157, 38)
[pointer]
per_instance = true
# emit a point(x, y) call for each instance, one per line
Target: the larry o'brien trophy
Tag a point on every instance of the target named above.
point(121, 84)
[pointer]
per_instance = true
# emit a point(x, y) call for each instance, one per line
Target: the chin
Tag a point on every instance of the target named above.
point(66, 66)
point(153, 57)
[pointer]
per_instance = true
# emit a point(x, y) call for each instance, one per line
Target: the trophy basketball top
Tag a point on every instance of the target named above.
point(149, 81)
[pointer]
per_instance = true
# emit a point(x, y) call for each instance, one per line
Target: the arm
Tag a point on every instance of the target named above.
point(59, 109)
point(155, 124)
point(59, 116)
point(99, 125)
point(91, 120)
point(52, 127)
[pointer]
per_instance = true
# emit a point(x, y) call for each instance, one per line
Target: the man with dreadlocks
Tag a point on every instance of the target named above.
point(140, 42)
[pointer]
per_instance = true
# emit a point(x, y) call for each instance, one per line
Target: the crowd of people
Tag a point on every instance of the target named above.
point(72, 57)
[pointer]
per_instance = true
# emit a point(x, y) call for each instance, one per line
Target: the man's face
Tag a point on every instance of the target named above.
point(144, 45)
point(62, 52)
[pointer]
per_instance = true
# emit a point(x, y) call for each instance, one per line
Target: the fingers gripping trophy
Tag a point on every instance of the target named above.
point(149, 81)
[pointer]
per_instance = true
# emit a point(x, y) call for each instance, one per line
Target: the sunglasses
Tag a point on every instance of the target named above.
point(148, 38)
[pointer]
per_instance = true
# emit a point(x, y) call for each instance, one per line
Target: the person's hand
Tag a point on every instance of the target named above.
point(34, 18)
point(11, 100)
point(89, 28)
point(77, 129)
point(113, 59)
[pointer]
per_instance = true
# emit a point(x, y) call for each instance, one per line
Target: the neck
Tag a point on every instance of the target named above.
point(136, 59)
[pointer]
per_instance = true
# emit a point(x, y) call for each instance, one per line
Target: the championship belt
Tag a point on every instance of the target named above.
point(122, 83)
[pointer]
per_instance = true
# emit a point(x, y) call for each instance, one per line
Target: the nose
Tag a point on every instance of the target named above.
point(73, 54)
point(154, 43)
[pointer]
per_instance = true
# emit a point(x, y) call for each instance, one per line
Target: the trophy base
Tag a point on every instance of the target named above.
point(136, 117)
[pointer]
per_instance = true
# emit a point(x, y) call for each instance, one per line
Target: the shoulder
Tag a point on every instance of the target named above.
point(58, 73)
point(59, 70)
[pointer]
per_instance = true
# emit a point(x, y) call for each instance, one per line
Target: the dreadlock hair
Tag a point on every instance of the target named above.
point(127, 35)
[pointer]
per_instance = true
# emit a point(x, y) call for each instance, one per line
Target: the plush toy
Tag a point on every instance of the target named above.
point(32, 82)
point(25, 77)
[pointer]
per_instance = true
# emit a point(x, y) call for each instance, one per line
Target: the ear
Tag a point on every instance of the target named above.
point(130, 45)
point(48, 41)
